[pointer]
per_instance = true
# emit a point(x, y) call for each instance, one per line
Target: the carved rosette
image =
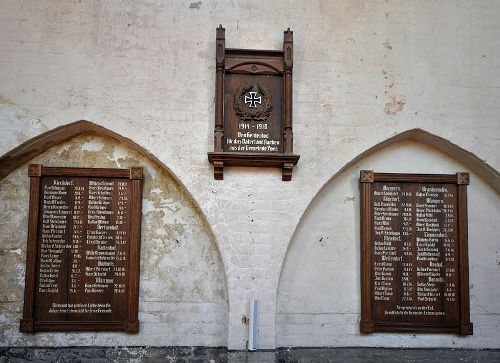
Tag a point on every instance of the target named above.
point(463, 178)
point(245, 113)
point(136, 173)
point(35, 170)
point(366, 176)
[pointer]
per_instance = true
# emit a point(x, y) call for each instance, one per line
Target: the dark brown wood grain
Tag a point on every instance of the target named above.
point(414, 264)
point(82, 269)
point(29, 291)
point(257, 134)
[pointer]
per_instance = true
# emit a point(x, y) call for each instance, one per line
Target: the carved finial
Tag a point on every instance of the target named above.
point(221, 32)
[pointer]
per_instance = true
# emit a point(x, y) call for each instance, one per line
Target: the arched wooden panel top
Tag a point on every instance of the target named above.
point(255, 68)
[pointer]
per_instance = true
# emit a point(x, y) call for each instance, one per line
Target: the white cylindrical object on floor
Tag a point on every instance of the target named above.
point(253, 325)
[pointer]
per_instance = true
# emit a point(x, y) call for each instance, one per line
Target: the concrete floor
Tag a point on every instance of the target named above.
point(222, 355)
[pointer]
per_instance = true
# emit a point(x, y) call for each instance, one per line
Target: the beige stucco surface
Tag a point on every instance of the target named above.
point(319, 292)
point(364, 71)
point(182, 297)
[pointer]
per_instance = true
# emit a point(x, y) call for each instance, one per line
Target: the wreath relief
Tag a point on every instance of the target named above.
point(246, 113)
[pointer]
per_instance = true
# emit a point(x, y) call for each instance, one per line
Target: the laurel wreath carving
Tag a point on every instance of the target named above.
point(261, 113)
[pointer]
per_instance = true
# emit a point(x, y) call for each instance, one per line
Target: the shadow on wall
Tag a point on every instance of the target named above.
point(183, 293)
point(318, 300)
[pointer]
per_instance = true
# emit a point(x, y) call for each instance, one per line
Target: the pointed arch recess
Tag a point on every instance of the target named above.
point(468, 159)
point(20, 155)
point(35, 146)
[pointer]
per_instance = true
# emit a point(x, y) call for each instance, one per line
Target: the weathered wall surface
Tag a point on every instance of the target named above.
point(182, 297)
point(363, 72)
point(319, 298)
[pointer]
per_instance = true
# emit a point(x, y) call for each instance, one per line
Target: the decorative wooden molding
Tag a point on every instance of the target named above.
point(253, 108)
point(410, 223)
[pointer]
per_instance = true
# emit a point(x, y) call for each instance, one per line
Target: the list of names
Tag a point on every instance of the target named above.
point(414, 251)
point(83, 250)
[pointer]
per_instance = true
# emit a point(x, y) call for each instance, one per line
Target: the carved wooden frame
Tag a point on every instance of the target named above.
point(265, 62)
point(367, 323)
point(29, 323)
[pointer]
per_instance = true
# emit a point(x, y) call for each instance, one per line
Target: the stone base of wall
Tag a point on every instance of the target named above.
point(222, 355)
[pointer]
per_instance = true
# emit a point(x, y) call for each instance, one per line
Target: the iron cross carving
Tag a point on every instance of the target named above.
point(253, 100)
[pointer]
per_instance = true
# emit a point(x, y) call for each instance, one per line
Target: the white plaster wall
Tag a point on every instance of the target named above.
point(182, 295)
point(364, 71)
point(319, 300)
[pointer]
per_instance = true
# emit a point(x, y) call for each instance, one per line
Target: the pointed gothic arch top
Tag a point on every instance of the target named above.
point(35, 146)
point(470, 160)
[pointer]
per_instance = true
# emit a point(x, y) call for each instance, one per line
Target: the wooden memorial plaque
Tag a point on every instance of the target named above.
point(82, 264)
point(414, 261)
point(253, 108)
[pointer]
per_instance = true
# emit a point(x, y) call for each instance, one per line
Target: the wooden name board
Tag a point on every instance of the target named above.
point(414, 261)
point(82, 264)
point(253, 108)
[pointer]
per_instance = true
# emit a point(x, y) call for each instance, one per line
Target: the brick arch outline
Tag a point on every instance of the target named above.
point(472, 162)
point(23, 153)
point(20, 155)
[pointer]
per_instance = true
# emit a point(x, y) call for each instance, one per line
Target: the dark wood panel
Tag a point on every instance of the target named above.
point(253, 107)
point(85, 236)
point(253, 136)
point(414, 264)
point(91, 172)
point(415, 178)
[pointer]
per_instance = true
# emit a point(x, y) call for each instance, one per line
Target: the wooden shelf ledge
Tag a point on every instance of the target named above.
point(283, 161)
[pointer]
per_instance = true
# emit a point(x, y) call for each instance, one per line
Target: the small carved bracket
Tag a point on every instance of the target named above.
point(35, 170)
point(26, 326)
point(218, 170)
point(287, 172)
point(463, 178)
point(136, 173)
point(366, 176)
